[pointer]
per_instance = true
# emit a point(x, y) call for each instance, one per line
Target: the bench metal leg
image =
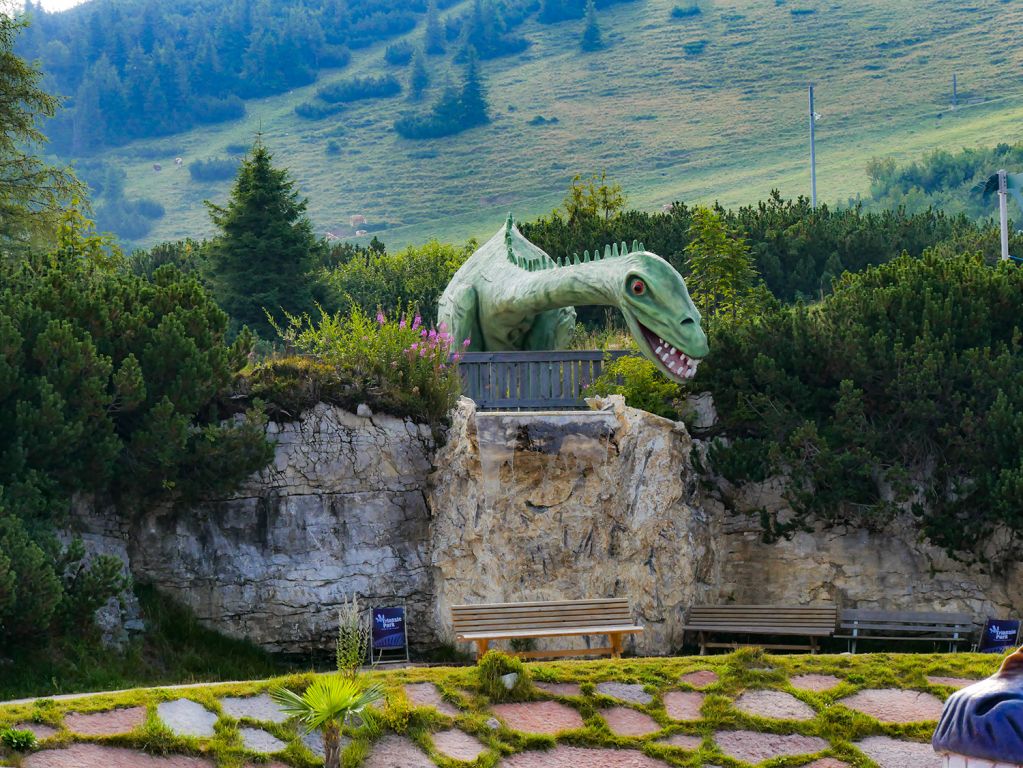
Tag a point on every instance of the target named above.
point(703, 644)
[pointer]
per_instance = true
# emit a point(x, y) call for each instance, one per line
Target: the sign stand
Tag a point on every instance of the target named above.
point(389, 635)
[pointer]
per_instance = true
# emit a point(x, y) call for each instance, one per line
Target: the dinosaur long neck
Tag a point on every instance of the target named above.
point(590, 283)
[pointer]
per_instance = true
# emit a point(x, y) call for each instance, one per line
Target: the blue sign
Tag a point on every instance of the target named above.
point(999, 634)
point(388, 628)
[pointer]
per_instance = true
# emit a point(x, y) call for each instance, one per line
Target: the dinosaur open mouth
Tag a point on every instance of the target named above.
point(676, 362)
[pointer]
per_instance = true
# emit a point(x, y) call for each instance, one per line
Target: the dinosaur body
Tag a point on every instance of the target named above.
point(511, 295)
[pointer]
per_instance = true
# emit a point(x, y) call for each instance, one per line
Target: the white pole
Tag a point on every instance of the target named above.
point(813, 156)
point(1003, 212)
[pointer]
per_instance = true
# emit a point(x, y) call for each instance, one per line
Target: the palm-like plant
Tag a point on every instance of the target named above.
point(327, 704)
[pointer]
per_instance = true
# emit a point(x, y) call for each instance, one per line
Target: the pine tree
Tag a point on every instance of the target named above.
point(723, 278)
point(434, 38)
point(474, 94)
point(419, 76)
point(265, 249)
point(591, 40)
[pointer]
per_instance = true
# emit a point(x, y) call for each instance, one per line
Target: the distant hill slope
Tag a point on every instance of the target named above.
point(705, 106)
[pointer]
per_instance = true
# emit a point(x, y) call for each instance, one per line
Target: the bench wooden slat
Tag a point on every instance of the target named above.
point(481, 623)
point(872, 624)
point(808, 621)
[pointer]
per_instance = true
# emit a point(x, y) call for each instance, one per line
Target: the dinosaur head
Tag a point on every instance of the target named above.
point(660, 314)
point(985, 721)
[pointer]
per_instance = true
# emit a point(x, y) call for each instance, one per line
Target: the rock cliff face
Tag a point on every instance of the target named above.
point(512, 507)
point(570, 505)
point(341, 510)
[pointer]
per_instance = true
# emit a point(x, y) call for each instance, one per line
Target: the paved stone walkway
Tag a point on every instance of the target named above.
point(701, 678)
point(814, 683)
point(560, 689)
point(777, 705)
point(258, 740)
point(260, 707)
point(628, 722)
point(630, 692)
point(40, 730)
point(397, 752)
point(891, 753)
point(580, 757)
point(952, 682)
point(107, 723)
point(683, 741)
point(186, 718)
point(894, 706)
point(458, 745)
point(96, 756)
point(754, 747)
point(683, 705)
point(427, 695)
point(538, 716)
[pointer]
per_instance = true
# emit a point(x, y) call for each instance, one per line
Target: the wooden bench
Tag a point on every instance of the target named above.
point(862, 624)
point(562, 618)
point(812, 622)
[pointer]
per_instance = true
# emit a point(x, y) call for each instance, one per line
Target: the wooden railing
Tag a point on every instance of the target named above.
point(531, 380)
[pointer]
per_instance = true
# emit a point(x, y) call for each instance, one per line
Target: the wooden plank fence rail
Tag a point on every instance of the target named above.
point(549, 380)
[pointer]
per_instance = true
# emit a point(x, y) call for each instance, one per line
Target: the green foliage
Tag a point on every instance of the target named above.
point(690, 9)
point(31, 192)
point(393, 364)
point(595, 199)
point(391, 281)
point(353, 636)
point(19, 741)
point(722, 278)
point(328, 704)
point(901, 390)
point(492, 667)
point(642, 385)
point(212, 169)
point(30, 589)
point(360, 88)
point(456, 110)
point(265, 249)
point(951, 181)
point(591, 39)
point(419, 76)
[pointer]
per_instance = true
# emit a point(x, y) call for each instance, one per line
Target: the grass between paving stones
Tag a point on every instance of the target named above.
point(739, 671)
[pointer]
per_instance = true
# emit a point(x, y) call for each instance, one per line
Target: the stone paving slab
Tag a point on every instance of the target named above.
point(631, 692)
point(108, 723)
point(561, 689)
point(40, 730)
point(814, 683)
point(97, 756)
point(186, 718)
point(629, 722)
point(754, 747)
point(538, 716)
point(683, 741)
point(952, 682)
point(828, 762)
point(774, 704)
point(260, 707)
point(314, 742)
point(701, 678)
point(892, 753)
point(396, 752)
point(258, 740)
point(891, 705)
point(428, 695)
point(581, 757)
point(683, 705)
point(458, 745)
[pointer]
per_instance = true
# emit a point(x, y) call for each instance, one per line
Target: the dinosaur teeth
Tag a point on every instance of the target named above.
point(658, 350)
point(674, 351)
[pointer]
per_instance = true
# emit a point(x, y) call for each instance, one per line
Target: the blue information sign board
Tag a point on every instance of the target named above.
point(389, 628)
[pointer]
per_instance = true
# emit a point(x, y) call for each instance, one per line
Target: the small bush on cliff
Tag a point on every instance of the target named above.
point(394, 364)
point(495, 665)
point(641, 383)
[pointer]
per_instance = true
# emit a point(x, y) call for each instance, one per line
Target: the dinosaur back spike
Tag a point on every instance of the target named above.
point(636, 246)
point(608, 253)
point(642, 247)
point(624, 248)
point(586, 257)
point(559, 262)
point(614, 250)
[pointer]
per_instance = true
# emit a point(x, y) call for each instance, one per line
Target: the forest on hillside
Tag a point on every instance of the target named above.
point(133, 69)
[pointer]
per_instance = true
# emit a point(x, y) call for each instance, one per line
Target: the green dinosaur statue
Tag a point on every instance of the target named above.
point(510, 295)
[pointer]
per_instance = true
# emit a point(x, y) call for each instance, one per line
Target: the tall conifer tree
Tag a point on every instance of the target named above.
point(266, 249)
point(592, 40)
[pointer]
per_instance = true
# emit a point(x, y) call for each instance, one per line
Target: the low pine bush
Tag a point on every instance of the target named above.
point(641, 383)
point(495, 665)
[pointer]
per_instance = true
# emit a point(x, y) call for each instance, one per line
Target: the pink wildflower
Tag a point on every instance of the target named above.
point(401, 325)
point(418, 321)
point(422, 352)
point(414, 347)
point(442, 327)
point(466, 343)
point(422, 334)
point(380, 318)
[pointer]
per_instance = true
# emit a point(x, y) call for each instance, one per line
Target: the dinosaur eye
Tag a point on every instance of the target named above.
point(638, 287)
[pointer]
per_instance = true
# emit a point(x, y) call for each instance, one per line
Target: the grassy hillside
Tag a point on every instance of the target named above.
point(666, 120)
